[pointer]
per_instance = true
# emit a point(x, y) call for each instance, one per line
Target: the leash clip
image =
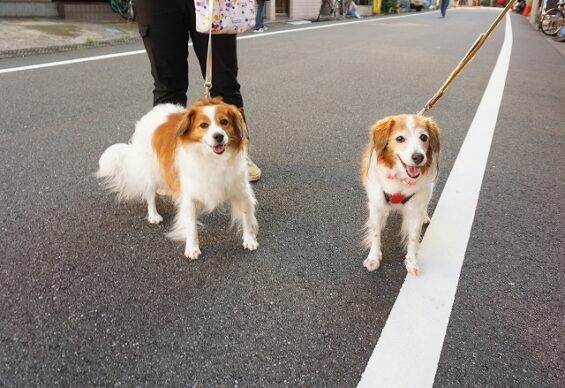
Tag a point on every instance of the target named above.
point(207, 88)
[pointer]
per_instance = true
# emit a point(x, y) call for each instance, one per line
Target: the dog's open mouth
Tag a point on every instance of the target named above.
point(412, 171)
point(219, 149)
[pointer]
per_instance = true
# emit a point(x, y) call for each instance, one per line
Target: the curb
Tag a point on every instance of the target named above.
point(26, 52)
point(67, 47)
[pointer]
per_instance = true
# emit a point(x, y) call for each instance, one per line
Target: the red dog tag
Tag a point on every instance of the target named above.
point(397, 198)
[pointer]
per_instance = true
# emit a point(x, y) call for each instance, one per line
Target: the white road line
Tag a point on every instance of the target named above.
point(408, 350)
point(243, 37)
point(70, 61)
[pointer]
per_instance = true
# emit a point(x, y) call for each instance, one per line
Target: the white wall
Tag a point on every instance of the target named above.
point(20, 8)
point(304, 9)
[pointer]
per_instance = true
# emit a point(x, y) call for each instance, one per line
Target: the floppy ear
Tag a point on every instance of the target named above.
point(381, 132)
point(186, 123)
point(434, 132)
point(240, 126)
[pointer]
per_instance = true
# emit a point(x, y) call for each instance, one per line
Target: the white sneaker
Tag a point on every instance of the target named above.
point(254, 172)
point(259, 30)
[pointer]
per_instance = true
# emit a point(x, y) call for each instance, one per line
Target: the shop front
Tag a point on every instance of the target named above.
point(309, 9)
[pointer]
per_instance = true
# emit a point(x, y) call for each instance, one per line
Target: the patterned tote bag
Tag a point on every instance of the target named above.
point(227, 16)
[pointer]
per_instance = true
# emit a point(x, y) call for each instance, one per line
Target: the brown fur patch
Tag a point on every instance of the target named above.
point(381, 134)
point(365, 162)
point(164, 144)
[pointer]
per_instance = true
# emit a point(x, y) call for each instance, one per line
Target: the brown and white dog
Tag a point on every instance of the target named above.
point(196, 156)
point(399, 168)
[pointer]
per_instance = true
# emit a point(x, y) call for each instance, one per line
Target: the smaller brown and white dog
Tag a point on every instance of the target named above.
point(197, 157)
point(398, 170)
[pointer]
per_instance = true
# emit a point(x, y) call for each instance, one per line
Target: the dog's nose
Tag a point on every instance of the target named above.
point(417, 157)
point(219, 137)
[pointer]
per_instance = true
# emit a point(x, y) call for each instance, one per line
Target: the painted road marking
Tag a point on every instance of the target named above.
point(408, 351)
point(70, 61)
point(243, 37)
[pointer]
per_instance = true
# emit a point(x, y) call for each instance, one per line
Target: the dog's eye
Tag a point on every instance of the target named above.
point(400, 139)
point(204, 125)
point(224, 122)
point(424, 137)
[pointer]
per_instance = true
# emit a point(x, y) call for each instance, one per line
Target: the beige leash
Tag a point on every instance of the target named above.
point(466, 59)
point(208, 78)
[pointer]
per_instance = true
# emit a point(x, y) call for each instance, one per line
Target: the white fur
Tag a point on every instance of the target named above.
point(414, 212)
point(207, 180)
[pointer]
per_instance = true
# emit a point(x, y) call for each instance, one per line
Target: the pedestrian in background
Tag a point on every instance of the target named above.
point(165, 27)
point(259, 26)
point(444, 5)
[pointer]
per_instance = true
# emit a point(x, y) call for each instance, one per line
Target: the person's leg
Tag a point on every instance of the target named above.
point(444, 4)
point(259, 16)
point(163, 25)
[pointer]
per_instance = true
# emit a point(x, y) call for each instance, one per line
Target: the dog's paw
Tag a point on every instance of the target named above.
point(163, 192)
point(372, 263)
point(250, 243)
point(192, 253)
point(154, 218)
point(412, 267)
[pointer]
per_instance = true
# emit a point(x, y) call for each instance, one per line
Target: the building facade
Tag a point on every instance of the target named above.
point(292, 9)
point(275, 9)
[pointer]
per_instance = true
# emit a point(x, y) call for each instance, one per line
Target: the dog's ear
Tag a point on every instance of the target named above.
point(186, 123)
point(434, 133)
point(238, 120)
point(380, 133)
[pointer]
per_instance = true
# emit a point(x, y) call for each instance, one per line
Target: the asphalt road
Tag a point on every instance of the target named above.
point(91, 294)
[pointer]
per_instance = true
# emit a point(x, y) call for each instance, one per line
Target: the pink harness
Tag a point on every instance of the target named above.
point(406, 181)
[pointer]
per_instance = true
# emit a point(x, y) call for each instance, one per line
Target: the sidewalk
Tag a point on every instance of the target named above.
point(32, 36)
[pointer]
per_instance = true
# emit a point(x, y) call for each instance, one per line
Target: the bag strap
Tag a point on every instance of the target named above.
point(208, 78)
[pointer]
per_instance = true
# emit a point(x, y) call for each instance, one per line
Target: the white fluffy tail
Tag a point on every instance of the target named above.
point(123, 170)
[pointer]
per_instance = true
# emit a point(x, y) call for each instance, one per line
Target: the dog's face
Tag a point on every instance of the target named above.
point(406, 144)
point(215, 124)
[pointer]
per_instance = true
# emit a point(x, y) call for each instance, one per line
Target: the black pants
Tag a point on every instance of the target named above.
point(165, 26)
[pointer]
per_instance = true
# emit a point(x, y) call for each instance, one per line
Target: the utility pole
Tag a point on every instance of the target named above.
point(534, 11)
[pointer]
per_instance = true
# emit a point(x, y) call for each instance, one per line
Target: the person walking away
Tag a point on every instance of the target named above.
point(444, 5)
point(259, 17)
point(165, 27)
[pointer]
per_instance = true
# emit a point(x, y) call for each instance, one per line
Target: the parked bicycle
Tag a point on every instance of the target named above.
point(553, 19)
point(124, 8)
point(335, 7)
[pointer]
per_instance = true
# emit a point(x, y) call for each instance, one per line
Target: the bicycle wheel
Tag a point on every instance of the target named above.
point(121, 7)
point(338, 9)
point(552, 21)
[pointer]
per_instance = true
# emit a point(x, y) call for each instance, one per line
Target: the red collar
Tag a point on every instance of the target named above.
point(397, 198)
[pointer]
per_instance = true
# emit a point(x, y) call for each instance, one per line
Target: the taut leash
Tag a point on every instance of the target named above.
point(466, 59)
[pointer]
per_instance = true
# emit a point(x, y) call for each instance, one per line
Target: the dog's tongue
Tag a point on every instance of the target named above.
point(413, 171)
point(219, 149)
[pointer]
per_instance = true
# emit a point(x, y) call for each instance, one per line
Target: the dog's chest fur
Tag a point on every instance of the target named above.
point(209, 179)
